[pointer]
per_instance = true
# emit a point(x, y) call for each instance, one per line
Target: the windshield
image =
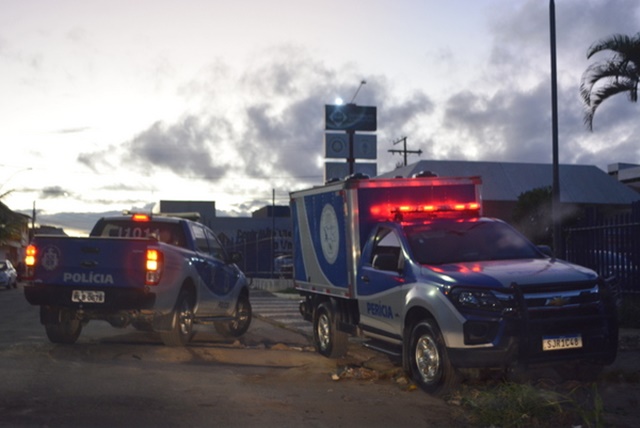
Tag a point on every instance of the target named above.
point(442, 242)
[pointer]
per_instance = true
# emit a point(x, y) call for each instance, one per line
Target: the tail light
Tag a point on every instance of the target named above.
point(153, 266)
point(30, 257)
point(30, 261)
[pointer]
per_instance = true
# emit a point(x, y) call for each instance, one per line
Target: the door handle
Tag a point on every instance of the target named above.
point(365, 279)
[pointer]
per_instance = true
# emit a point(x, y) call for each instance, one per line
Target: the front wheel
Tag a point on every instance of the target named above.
point(429, 363)
point(241, 319)
point(328, 340)
point(182, 325)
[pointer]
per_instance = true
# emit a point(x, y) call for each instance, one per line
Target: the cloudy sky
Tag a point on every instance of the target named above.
point(114, 105)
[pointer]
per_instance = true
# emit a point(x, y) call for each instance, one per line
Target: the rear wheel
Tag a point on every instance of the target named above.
point(182, 326)
point(328, 340)
point(241, 321)
point(66, 331)
point(429, 364)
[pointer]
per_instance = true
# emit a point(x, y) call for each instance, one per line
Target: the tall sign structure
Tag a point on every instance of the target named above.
point(348, 145)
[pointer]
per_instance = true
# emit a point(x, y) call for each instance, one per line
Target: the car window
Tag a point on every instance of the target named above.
point(386, 246)
point(200, 238)
point(215, 248)
point(170, 233)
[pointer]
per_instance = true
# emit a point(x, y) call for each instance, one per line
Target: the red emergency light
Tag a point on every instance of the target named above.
point(400, 210)
point(140, 217)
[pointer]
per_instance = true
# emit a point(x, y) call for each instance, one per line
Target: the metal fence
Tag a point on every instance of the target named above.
point(610, 246)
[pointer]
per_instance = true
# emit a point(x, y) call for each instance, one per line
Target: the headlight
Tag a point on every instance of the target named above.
point(476, 299)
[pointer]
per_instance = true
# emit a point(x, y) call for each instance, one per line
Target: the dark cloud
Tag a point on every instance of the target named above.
point(187, 147)
point(54, 192)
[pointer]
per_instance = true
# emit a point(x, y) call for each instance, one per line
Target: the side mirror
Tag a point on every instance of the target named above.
point(546, 250)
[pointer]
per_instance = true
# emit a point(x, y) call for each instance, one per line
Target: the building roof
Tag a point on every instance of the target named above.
point(505, 181)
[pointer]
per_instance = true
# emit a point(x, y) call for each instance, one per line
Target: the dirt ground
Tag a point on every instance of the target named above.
point(619, 385)
point(617, 389)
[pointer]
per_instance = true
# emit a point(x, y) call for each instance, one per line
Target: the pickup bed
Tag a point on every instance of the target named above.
point(158, 273)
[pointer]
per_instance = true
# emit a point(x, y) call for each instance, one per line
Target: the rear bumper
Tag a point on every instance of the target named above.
point(116, 299)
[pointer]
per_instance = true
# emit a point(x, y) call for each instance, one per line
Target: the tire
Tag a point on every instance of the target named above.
point(242, 319)
point(429, 364)
point(182, 326)
point(67, 331)
point(327, 339)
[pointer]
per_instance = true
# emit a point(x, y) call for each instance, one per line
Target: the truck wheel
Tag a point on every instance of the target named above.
point(328, 340)
point(241, 322)
point(182, 330)
point(66, 331)
point(429, 364)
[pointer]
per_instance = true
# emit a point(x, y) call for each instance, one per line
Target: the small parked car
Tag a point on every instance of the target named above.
point(8, 274)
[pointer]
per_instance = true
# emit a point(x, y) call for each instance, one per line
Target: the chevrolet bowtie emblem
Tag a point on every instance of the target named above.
point(557, 301)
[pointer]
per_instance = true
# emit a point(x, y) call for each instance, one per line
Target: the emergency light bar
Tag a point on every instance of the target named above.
point(398, 211)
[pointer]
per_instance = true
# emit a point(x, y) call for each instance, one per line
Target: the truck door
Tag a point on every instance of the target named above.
point(217, 276)
point(380, 283)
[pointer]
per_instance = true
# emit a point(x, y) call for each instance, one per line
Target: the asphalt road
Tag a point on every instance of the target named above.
point(271, 377)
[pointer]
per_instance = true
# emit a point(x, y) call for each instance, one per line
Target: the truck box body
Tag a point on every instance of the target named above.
point(332, 222)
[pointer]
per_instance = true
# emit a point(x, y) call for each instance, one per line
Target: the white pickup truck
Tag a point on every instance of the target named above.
point(411, 265)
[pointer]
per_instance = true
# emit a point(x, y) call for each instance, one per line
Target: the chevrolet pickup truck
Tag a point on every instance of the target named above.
point(157, 273)
point(411, 266)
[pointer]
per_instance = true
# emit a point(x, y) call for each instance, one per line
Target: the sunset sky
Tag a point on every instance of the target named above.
point(116, 105)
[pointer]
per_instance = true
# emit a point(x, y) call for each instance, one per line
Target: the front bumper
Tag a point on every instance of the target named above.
point(518, 334)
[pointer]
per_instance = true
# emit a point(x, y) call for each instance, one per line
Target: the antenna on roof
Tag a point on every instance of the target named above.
point(362, 83)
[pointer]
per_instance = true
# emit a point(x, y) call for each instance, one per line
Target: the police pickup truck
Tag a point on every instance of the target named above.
point(156, 273)
point(412, 266)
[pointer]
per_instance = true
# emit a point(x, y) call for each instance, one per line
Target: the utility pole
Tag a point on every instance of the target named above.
point(404, 151)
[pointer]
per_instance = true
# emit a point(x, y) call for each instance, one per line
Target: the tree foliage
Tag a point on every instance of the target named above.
point(618, 74)
point(532, 215)
point(10, 224)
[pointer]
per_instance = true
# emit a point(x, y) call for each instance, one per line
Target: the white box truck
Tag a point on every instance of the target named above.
point(412, 266)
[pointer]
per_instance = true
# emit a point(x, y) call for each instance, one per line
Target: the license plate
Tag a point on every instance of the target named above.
point(84, 296)
point(555, 343)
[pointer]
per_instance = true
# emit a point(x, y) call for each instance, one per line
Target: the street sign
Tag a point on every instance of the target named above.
point(365, 146)
point(350, 117)
point(337, 145)
point(341, 170)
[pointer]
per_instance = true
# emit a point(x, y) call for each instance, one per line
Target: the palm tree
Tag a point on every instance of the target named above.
point(620, 73)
